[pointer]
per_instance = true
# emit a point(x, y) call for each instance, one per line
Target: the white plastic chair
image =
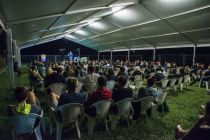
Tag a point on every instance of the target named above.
point(206, 84)
point(173, 84)
point(146, 103)
point(110, 84)
point(164, 83)
point(180, 84)
point(167, 72)
point(57, 88)
point(78, 90)
point(102, 109)
point(69, 114)
point(186, 80)
point(25, 124)
point(123, 108)
point(161, 98)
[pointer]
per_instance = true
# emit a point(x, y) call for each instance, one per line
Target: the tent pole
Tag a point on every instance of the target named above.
point(154, 53)
point(128, 54)
point(111, 55)
point(98, 56)
point(194, 53)
point(10, 57)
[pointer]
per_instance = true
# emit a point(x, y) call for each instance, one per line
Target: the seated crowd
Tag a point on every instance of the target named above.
point(87, 83)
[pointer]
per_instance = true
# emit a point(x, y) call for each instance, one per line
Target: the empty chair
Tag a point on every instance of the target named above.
point(78, 90)
point(57, 88)
point(186, 80)
point(167, 72)
point(69, 114)
point(123, 111)
point(110, 84)
point(102, 109)
point(161, 99)
point(173, 84)
point(164, 83)
point(146, 103)
point(206, 84)
point(25, 124)
point(180, 84)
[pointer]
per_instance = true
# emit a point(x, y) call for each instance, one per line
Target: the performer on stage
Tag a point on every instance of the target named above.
point(70, 55)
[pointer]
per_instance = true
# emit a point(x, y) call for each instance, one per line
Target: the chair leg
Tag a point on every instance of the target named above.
point(162, 109)
point(113, 123)
point(78, 129)
point(128, 120)
point(43, 128)
point(207, 86)
point(181, 86)
point(14, 137)
point(91, 124)
point(200, 83)
point(51, 128)
point(37, 132)
point(58, 131)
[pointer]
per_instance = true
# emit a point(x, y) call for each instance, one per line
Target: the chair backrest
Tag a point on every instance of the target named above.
point(180, 80)
point(167, 72)
point(110, 84)
point(172, 82)
point(57, 88)
point(124, 106)
point(137, 77)
point(186, 78)
point(23, 124)
point(69, 112)
point(164, 83)
point(90, 83)
point(146, 103)
point(79, 87)
point(138, 83)
point(161, 98)
point(131, 72)
point(143, 70)
point(102, 107)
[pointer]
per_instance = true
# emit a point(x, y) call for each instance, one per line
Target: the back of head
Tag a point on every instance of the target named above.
point(122, 80)
point(76, 72)
point(71, 84)
point(90, 69)
point(150, 82)
point(97, 69)
point(21, 93)
point(110, 71)
point(142, 92)
point(102, 82)
point(59, 70)
point(122, 69)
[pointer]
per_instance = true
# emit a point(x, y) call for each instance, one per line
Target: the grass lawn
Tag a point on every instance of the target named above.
point(184, 108)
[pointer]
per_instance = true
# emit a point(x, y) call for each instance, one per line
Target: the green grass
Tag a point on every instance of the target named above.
point(184, 109)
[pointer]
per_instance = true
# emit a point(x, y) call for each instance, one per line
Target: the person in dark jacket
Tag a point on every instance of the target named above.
point(120, 91)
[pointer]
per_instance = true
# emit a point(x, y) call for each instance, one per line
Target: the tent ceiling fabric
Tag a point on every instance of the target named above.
point(108, 24)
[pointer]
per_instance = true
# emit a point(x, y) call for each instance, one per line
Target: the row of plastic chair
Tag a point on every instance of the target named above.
point(70, 113)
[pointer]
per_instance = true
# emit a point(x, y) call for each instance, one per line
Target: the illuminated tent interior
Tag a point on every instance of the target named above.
point(109, 24)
